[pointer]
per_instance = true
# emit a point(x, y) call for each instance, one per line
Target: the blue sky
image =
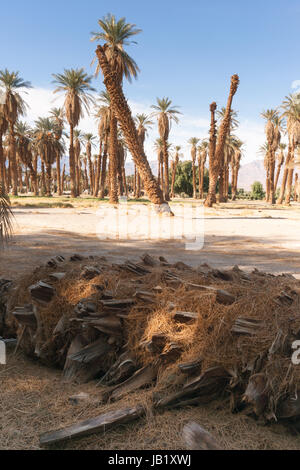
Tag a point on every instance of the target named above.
point(188, 50)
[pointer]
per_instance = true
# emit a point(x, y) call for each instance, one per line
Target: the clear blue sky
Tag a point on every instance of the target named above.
point(188, 48)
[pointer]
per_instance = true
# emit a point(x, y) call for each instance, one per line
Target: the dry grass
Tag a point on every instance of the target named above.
point(34, 400)
point(209, 338)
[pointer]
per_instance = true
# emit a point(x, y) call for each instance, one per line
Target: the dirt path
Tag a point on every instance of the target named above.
point(250, 235)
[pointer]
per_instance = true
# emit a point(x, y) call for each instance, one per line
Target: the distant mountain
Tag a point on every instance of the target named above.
point(251, 172)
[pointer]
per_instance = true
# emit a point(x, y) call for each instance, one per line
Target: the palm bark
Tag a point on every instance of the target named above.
point(123, 114)
point(285, 176)
point(213, 175)
point(223, 132)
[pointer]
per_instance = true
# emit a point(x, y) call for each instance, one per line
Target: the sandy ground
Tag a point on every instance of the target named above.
point(248, 234)
point(33, 398)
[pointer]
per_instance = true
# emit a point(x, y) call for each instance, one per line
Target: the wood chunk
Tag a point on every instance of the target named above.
point(145, 296)
point(26, 316)
point(224, 275)
point(91, 352)
point(202, 389)
point(157, 343)
point(246, 326)
point(117, 304)
point(140, 379)
point(186, 317)
point(110, 325)
point(84, 362)
point(90, 272)
point(256, 393)
point(42, 292)
point(197, 438)
point(57, 276)
point(190, 368)
point(172, 353)
point(290, 407)
point(85, 307)
point(284, 299)
point(76, 257)
point(182, 266)
point(118, 371)
point(79, 398)
point(134, 268)
point(101, 423)
point(149, 260)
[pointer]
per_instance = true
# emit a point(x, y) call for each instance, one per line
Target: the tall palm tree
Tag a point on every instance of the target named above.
point(3, 129)
point(143, 122)
point(24, 150)
point(174, 167)
point(14, 107)
point(291, 113)
point(158, 147)
point(222, 134)
point(202, 156)
point(78, 138)
point(103, 115)
point(48, 146)
point(227, 153)
point(280, 162)
point(89, 143)
point(76, 85)
point(116, 34)
point(58, 115)
point(165, 113)
point(193, 142)
point(211, 197)
point(273, 136)
point(5, 217)
point(122, 112)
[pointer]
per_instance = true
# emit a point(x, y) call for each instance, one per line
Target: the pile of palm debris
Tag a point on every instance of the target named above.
point(193, 335)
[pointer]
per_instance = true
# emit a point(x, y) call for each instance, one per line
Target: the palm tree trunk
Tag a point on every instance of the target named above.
point(285, 176)
point(223, 132)
point(166, 170)
point(290, 176)
point(194, 178)
point(103, 173)
point(2, 169)
point(72, 163)
point(58, 173)
point(13, 159)
point(123, 114)
point(48, 180)
point(113, 162)
point(63, 178)
point(277, 176)
point(213, 175)
point(43, 180)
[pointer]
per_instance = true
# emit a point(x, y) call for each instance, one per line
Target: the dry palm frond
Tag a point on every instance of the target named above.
point(5, 217)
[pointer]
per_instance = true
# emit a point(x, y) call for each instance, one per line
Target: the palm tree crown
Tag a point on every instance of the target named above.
point(117, 34)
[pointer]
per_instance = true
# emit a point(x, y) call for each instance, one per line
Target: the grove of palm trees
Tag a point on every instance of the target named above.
point(149, 254)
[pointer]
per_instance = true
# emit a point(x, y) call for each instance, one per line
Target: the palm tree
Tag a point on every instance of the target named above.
point(165, 113)
point(78, 138)
point(273, 135)
point(193, 142)
point(116, 34)
point(202, 156)
point(89, 142)
point(48, 146)
point(158, 147)
point(5, 217)
point(3, 129)
point(143, 122)
point(222, 134)
point(14, 107)
point(175, 162)
point(227, 154)
point(122, 112)
point(24, 147)
point(58, 115)
point(291, 113)
point(76, 85)
point(211, 197)
point(280, 162)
